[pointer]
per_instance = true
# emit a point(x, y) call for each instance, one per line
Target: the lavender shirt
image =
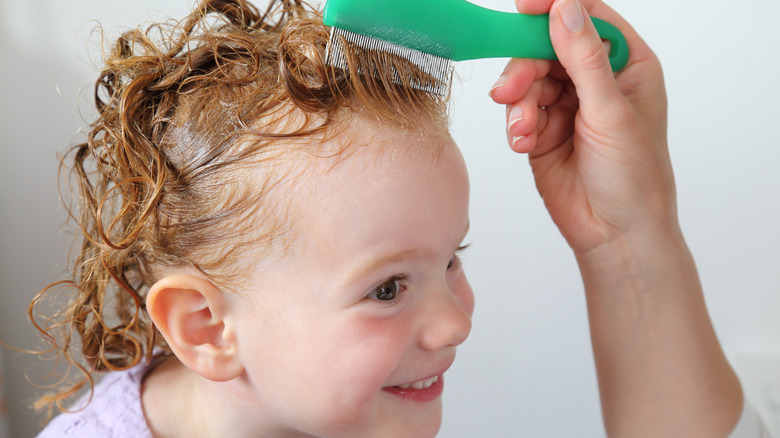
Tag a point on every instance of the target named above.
point(114, 412)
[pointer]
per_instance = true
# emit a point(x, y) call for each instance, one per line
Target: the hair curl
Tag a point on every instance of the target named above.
point(182, 109)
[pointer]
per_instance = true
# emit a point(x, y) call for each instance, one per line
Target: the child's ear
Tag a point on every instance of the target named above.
point(190, 313)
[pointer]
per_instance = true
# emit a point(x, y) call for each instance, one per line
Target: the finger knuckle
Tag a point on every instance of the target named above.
point(594, 56)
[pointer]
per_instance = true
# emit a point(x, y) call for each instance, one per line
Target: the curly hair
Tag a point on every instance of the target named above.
point(183, 108)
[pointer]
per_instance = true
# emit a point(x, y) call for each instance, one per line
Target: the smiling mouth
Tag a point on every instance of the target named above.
point(421, 391)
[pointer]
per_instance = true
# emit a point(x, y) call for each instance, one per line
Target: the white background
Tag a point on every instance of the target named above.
point(527, 368)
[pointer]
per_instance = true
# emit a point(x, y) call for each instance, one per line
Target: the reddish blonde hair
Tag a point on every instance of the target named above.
point(182, 110)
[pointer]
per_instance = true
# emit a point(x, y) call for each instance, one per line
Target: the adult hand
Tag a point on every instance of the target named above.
point(596, 141)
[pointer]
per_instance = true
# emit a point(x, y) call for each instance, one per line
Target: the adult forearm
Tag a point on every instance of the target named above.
point(660, 367)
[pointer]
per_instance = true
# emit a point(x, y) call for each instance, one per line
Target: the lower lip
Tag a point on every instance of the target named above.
point(418, 395)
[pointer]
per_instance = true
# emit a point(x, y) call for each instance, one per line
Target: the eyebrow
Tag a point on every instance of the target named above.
point(395, 257)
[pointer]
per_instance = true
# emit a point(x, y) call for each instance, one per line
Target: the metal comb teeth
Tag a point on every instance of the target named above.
point(437, 68)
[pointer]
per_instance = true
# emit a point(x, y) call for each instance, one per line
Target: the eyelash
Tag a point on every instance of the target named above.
point(398, 280)
point(455, 260)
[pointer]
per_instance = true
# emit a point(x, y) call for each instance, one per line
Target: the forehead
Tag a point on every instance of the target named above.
point(362, 181)
point(382, 142)
point(374, 153)
point(361, 145)
point(377, 172)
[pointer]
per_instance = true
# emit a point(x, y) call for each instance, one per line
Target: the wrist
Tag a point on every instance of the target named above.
point(636, 240)
point(656, 352)
point(643, 259)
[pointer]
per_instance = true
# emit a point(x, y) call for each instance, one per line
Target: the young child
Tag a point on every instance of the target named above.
point(270, 244)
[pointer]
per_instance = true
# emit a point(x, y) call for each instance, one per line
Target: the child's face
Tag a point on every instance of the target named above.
point(370, 297)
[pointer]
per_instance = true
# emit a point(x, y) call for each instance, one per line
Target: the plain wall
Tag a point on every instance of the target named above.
point(527, 369)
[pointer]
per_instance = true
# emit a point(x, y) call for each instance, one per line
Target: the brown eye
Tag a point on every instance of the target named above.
point(386, 291)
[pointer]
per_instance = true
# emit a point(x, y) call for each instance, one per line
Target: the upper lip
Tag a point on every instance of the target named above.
point(440, 371)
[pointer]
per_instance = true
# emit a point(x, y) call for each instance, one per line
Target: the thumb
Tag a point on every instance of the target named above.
point(580, 50)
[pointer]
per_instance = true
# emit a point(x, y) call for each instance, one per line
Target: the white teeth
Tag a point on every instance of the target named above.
point(421, 384)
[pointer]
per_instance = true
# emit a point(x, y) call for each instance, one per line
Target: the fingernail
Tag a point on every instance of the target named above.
point(515, 115)
point(571, 15)
point(499, 83)
point(517, 139)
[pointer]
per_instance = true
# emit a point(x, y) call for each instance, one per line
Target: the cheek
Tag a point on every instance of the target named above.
point(351, 366)
point(349, 360)
point(373, 348)
point(329, 375)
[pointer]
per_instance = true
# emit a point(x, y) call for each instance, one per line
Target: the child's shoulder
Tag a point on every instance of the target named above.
point(114, 411)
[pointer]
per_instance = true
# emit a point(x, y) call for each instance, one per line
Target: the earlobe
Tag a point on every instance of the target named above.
point(190, 312)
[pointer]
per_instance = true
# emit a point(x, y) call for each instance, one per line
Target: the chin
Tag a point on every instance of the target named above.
point(426, 427)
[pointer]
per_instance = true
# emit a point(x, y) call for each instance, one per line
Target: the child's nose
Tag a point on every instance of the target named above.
point(447, 322)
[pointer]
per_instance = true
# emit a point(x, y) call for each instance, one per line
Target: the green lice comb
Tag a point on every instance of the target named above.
point(433, 33)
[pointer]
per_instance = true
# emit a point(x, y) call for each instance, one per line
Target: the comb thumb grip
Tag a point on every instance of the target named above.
point(459, 30)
